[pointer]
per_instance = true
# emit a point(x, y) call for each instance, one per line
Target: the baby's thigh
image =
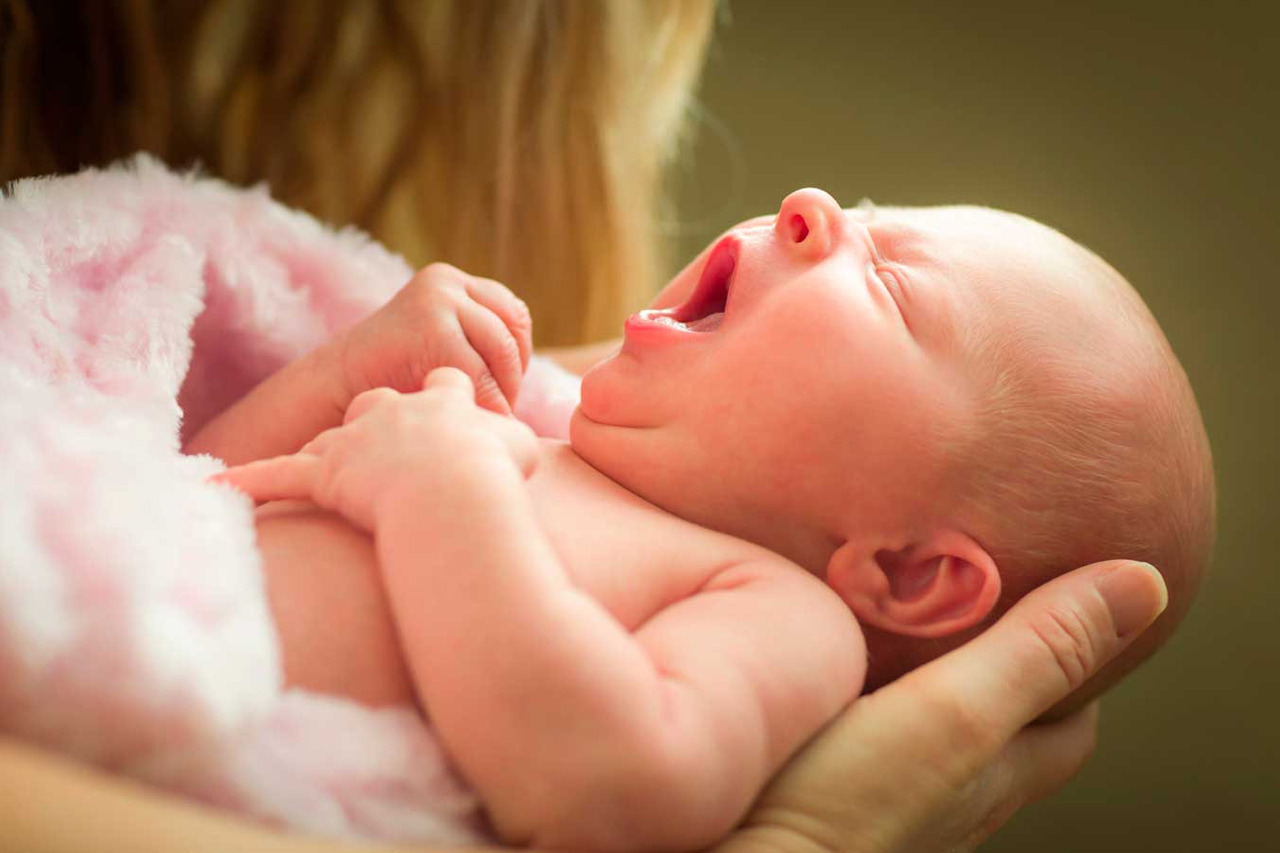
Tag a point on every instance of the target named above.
point(336, 631)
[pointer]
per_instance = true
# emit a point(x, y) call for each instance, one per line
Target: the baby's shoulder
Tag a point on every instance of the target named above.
point(632, 556)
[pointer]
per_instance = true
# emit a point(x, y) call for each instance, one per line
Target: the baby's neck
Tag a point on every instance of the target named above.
point(804, 544)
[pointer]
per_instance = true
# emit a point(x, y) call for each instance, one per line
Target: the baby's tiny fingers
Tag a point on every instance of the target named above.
point(279, 478)
point(449, 377)
point(465, 357)
point(514, 313)
point(366, 400)
point(503, 361)
point(317, 445)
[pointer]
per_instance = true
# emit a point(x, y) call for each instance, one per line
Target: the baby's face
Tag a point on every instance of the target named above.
point(821, 374)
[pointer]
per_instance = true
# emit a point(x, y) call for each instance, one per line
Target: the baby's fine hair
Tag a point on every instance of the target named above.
point(1080, 456)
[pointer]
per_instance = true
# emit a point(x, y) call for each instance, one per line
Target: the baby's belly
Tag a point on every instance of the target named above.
point(336, 631)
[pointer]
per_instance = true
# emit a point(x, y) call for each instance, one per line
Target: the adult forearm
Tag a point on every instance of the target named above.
point(281, 414)
point(537, 691)
point(39, 790)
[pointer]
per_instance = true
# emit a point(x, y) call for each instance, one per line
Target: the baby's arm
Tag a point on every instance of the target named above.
point(577, 734)
point(284, 412)
point(441, 318)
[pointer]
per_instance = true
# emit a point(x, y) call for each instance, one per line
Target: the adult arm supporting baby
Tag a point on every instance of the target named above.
point(577, 733)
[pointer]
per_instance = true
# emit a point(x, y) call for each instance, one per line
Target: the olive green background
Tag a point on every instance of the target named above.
point(1151, 133)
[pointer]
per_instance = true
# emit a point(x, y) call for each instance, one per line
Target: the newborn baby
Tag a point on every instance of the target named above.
point(856, 440)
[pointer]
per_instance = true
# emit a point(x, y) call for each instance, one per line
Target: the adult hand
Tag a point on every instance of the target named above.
point(941, 758)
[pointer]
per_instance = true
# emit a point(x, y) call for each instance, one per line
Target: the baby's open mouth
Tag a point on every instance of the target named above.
point(705, 308)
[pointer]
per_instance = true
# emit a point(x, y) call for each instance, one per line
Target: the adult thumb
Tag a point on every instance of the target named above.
point(1046, 646)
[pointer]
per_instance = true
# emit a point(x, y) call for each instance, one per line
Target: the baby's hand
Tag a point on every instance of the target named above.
point(389, 440)
point(441, 318)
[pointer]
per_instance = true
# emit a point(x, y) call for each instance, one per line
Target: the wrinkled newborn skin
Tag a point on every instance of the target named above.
point(836, 412)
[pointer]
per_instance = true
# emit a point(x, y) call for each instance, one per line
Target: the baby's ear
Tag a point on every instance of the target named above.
point(932, 588)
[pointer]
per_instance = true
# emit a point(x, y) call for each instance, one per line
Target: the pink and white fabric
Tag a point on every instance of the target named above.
point(136, 304)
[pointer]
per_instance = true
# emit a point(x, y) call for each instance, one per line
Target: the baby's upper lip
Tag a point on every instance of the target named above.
point(711, 294)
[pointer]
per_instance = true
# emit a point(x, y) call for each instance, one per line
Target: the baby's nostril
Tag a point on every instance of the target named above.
point(799, 228)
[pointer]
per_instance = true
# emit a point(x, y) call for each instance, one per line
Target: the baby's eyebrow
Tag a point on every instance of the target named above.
point(895, 238)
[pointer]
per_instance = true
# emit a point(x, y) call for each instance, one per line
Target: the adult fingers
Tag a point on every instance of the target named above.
point(278, 478)
point(1043, 758)
point(1045, 647)
point(510, 308)
point(1039, 761)
point(490, 337)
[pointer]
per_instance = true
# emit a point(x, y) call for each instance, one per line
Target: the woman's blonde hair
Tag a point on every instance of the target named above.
point(522, 140)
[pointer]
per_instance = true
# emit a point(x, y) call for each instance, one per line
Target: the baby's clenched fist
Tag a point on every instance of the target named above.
point(388, 443)
point(442, 318)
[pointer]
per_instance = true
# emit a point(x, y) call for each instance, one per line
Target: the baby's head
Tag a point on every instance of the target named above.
point(936, 410)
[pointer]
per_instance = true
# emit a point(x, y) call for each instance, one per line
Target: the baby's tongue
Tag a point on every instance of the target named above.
point(709, 323)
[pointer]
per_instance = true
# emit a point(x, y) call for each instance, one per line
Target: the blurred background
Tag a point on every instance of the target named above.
point(1149, 132)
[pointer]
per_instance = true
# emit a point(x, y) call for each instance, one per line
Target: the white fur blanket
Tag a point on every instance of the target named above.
point(136, 304)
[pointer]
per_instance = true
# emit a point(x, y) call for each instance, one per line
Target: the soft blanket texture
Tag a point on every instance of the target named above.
point(136, 304)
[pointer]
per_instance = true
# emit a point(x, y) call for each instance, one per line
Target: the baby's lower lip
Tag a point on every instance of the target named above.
point(651, 325)
point(646, 330)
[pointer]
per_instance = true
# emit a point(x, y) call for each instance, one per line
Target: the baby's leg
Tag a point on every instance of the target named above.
point(326, 595)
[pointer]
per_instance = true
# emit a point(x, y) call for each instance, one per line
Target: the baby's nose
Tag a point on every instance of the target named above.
point(810, 223)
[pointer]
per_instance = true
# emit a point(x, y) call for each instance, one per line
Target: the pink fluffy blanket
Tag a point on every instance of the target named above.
point(136, 304)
